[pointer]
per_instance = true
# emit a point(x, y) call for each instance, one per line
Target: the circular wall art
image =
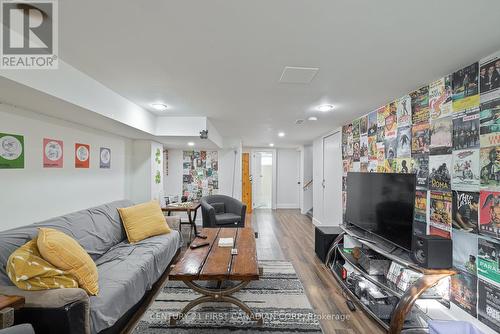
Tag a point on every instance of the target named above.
point(53, 151)
point(10, 148)
point(82, 153)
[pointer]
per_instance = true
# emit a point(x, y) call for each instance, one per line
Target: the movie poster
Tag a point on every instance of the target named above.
point(466, 88)
point(372, 166)
point(441, 134)
point(356, 166)
point(489, 77)
point(489, 214)
point(391, 165)
point(439, 232)
point(363, 125)
point(439, 172)
point(372, 148)
point(363, 151)
point(466, 211)
point(344, 134)
point(488, 252)
point(420, 138)
point(488, 304)
point(464, 292)
point(372, 123)
point(356, 150)
point(489, 117)
point(465, 175)
point(421, 169)
point(490, 167)
point(420, 105)
point(465, 251)
point(380, 158)
point(381, 117)
point(489, 139)
point(350, 145)
point(363, 167)
point(403, 165)
point(346, 166)
point(440, 98)
point(355, 129)
point(404, 110)
point(404, 142)
point(53, 153)
point(391, 125)
point(421, 206)
point(440, 210)
point(380, 135)
point(391, 147)
point(466, 129)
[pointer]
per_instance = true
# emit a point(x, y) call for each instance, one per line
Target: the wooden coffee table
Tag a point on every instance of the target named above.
point(214, 263)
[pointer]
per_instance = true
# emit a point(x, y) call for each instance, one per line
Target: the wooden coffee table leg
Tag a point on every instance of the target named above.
point(216, 295)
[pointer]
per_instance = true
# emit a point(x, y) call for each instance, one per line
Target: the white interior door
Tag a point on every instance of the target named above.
point(332, 180)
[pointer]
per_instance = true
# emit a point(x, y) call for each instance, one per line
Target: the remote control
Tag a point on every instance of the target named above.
point(194, 246)
point(350, 305)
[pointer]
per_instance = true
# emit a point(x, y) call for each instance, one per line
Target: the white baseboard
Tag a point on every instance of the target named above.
point(287, 206)
point(316, 222)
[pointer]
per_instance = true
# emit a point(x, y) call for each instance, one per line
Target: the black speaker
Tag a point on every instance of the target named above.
point(323, 238)
point(432, 251)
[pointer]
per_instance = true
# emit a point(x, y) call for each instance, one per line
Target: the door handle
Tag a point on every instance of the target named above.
point(323, 184)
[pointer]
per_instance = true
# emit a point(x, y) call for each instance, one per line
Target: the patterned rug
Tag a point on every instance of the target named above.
point(278, 297)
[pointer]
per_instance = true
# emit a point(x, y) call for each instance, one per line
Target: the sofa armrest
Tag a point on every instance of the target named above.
point(208, 214)
point(66, 309)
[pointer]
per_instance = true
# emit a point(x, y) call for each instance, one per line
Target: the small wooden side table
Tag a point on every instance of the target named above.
point(15, 302)
point(190, 209)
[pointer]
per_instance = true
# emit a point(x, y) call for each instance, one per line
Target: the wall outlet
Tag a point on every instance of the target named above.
point(6, 317)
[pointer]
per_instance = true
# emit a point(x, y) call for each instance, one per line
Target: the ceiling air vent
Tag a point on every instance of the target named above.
point(298, 75)
point(299, 121)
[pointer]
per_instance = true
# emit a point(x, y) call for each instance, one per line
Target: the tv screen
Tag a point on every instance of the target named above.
point(382, 203)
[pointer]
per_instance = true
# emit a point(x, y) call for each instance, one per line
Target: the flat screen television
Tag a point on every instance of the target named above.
point(383, 204)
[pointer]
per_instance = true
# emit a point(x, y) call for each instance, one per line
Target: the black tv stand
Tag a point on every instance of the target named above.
point(405, 316)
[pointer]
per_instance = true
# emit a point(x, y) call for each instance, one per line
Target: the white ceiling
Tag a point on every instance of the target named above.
point(223, 59)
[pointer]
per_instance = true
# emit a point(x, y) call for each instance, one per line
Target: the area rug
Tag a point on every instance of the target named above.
point(278, 297)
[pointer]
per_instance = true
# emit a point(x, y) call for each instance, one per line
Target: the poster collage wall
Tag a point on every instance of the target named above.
point(200, 175)
point(12, 153)
point(448, 134)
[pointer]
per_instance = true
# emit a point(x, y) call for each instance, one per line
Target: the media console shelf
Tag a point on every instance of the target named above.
point(406, 316)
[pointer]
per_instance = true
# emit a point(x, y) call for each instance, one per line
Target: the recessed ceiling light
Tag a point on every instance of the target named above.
point(159, 106)
point(190, 143)
point(281, 134)
point(271, 145)
point(312, 118)
point(325, 107)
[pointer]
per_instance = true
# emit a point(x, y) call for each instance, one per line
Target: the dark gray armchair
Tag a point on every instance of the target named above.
point(222, 211)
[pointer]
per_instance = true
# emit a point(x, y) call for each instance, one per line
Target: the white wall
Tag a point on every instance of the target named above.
point(36, 193)
point(287, 173)
point(318, 181)
point(307, 175)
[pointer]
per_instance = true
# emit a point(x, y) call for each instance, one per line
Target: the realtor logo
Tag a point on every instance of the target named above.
point(29, 34)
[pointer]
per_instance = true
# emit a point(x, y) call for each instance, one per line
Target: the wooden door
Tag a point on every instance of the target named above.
point(246, 186)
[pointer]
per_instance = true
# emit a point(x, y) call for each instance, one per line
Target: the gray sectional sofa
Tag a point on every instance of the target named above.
point(126, 272)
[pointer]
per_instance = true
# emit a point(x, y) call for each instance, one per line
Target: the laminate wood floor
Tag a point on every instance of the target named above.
point(289, 235)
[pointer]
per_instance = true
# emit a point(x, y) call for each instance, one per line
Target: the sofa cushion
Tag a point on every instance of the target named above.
point(143, 220)
point(126, 272)
point(66, 254)
point(227, 218)
point(96, 230)
point(219, 208)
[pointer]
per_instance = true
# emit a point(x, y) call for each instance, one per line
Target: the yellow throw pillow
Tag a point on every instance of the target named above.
point(143, 221)
point(66, 254)
point(29, 271)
